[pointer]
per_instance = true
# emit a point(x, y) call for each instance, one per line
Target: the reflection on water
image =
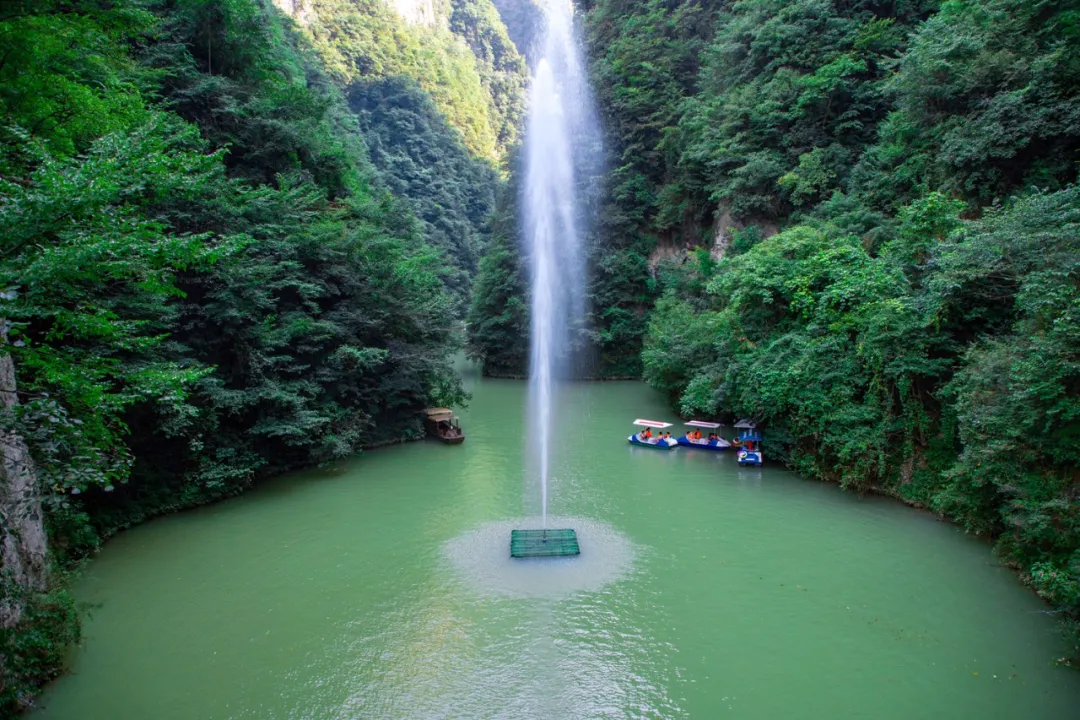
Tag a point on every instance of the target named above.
point(538, 660)
point(521, 639)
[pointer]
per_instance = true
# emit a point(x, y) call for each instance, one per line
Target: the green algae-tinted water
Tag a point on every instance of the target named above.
point(382, 589)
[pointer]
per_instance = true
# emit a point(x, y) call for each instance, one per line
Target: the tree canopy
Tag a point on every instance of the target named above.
point(219, 263)
point(856, 223)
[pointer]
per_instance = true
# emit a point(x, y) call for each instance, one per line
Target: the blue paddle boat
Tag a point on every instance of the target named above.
point(703, 443)
point(650, 439)
point(749, 443)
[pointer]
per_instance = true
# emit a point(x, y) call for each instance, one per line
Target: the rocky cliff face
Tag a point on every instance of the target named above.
point(726, 225)
point(524, 20)
point(425, 13)
point(23, 551)
point(298, 10)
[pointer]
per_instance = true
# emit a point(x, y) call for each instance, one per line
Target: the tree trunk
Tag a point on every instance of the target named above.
point(23, 549)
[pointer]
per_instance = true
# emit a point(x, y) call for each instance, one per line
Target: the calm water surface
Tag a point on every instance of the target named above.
point(381, 589)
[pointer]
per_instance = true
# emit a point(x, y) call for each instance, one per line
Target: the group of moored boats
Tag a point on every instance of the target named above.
point(747, 443)
point(441, 423)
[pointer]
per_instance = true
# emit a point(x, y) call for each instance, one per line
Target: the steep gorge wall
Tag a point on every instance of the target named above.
point(438, 87)
point(457, 51)
point(524, 21)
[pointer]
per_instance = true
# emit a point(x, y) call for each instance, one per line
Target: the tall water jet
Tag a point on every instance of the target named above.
point(559, 134)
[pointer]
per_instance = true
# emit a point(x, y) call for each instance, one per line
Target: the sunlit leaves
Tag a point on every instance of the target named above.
point(65, 75)
point(94, 272)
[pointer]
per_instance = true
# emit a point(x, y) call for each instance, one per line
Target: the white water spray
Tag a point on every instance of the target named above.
point(561, 128)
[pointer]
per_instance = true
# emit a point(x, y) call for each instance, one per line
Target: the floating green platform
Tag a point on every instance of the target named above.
point(543, 543)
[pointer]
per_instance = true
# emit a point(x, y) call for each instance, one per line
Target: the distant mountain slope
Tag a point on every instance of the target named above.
point(414, 149)
point(458, 52)
point(439, 88)
point(524, 19)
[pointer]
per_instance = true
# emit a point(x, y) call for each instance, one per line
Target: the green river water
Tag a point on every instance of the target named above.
point(381, 588)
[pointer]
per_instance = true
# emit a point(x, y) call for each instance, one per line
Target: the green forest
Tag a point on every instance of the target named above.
point(885, 225)
point(230, 249)
point(857, 223)
point(242, 237)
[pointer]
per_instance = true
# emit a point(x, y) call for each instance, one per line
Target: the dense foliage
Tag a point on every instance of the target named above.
point(500, 65)
point(462, 57)
point(858, 224)
point(524, 21)
point(498, 320)
point(440, 100)
point(235, 244)
point(419, 158)
point(205, 278)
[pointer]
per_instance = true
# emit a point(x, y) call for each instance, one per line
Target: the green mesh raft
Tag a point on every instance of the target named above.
point(543, 543)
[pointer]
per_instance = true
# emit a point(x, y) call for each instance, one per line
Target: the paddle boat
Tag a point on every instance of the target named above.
point(716, 444)
point(748, 443)
point(638, 438)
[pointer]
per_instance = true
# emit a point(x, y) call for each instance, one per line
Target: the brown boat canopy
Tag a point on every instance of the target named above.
point(440, 414)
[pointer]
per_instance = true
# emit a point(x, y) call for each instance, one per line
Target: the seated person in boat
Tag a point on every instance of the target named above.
point(645, 434)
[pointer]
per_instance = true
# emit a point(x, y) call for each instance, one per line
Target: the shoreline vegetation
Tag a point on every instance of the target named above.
point(223, 259)
point(889, 279)
point(858, 224)
point(240, 240)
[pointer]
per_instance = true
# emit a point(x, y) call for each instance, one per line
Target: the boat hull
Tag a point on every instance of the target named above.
point(445, 431)
point(658, 445)
point(750, 457)
point(711, 446)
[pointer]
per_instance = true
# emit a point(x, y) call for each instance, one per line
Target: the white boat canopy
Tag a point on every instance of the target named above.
point(652, 423)
point(745, 424)
point(702, 423)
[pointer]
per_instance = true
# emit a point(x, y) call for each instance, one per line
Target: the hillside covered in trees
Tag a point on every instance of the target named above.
point(863, 226)
point(241, 236)
point(439, 97)
point(859, 224)
point(233, 245)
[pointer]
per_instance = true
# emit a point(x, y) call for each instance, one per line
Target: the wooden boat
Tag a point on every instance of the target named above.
point(441, 424)
point(655, 443)
point(717, 444)
point(749, 444)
